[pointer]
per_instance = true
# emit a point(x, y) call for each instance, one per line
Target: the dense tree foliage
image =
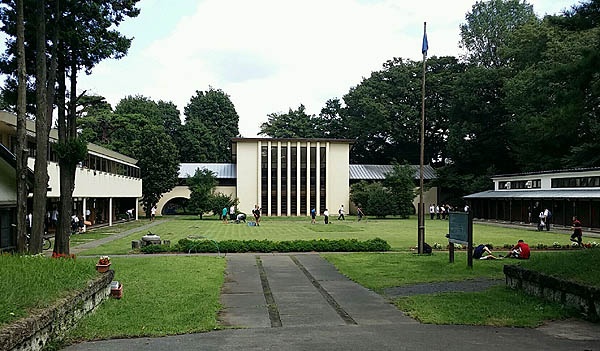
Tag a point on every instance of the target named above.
point(488, 27)
point(210, 123)
point(202, 186)
point(62, 38)
point(137, 129)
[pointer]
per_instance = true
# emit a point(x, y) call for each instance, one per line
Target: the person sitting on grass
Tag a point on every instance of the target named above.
point(483, 252)
point(520, 251)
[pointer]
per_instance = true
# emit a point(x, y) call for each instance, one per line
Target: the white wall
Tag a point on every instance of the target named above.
point(90, 183)
point(8, 185)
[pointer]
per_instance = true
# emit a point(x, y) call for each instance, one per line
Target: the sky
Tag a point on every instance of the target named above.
point(270, 56)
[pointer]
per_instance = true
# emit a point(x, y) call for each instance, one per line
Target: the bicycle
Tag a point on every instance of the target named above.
point(46, 243)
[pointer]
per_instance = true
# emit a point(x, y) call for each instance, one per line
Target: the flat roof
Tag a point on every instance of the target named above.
point(536, 194)
point(568, 170)
point(331, 140)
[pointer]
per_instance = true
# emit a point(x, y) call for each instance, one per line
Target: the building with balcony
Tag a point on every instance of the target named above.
point(107, 183)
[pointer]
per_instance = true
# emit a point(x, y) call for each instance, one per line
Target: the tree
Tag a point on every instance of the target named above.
point(158, 160)
point(21, 140)
point(202, 186)
point(220, 201)
point(553, 97)
point(373, 198)
point(401, 184)
point(81, 34)
point(382, 113)
point(294, 124)
point(488, 27)
point(144, 138)
point(216, 112)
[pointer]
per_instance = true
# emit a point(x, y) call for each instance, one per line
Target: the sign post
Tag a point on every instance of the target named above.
point(461, 232)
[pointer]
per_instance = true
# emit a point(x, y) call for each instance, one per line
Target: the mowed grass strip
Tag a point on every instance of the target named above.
point(161, 296)
point(401, 234)
point(496, 306)
point(34, 282)
point(378, 271)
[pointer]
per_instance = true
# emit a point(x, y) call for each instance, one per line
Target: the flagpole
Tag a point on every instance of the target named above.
point(421, 211)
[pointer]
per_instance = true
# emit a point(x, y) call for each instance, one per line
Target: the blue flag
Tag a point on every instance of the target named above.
point(425, 44)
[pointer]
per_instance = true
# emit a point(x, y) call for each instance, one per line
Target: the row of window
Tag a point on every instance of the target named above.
point(576, 182)
point(572, 182)
point(278, 194)
point(94, 162)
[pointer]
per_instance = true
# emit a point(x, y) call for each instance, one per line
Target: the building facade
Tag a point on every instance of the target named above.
point(107, 183)
point(285, 177)
point(521, 197)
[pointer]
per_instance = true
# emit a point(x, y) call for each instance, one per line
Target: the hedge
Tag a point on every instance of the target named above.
point(320, 245)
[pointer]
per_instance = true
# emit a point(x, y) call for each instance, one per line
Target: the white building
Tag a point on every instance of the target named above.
point(521, 197)
point(286, 177)
point(107, 183)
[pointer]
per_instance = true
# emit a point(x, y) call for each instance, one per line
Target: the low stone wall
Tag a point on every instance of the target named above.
point(584, 298)
point(33, 332)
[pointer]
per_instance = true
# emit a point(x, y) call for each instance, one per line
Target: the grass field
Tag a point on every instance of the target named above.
point(400, 234)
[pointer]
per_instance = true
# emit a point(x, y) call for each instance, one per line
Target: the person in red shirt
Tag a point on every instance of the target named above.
point(577, 232)
point(521, 251)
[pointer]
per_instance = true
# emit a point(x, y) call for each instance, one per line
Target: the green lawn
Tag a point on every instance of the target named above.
point(400, 234)
point(161, 296)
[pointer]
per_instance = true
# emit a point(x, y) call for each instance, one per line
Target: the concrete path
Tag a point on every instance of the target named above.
point(301, 302)
point(92, 244)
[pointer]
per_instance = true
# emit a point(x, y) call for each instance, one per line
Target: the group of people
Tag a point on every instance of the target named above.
point(544, 220)
point(439, 211)
point(484, 252)
point(341, 214)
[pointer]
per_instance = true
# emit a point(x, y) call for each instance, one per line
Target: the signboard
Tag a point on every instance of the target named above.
point(459, 228)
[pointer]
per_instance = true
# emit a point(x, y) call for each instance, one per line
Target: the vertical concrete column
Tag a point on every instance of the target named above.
point(110, 211)
point(329, 177)
point(298, 172)
point(137, 206)
point(258, 179)
point(83, 213)
point(269, 185)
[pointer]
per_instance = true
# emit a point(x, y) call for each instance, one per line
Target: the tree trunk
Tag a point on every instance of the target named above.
point(21, 144)
point(61, 238)
point(42, 130)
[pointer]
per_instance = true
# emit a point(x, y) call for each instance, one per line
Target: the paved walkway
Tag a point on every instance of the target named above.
point(301, 302)
point(92, 244)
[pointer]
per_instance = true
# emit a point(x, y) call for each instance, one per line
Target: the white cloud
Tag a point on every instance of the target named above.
point(272, 55)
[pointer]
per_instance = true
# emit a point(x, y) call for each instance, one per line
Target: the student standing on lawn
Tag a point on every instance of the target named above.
point(326, 215)
point(256, 213)
point(224, 215)
point(313, 216)
point(521, 251)
point(577, 232)
point(360, 213)
point(341, 213)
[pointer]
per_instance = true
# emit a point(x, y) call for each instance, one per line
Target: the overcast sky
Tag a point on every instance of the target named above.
point(273, 55)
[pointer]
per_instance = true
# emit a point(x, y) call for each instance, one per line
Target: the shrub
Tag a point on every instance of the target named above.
point(320, 245)
point(149, 249)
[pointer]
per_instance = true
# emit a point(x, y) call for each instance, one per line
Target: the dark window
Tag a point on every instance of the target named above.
point(274, 178)
point(284, 179)
point(576, 182)
point(293, 180)
point(323, 177)
point(264, 190)
point(303, 175)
